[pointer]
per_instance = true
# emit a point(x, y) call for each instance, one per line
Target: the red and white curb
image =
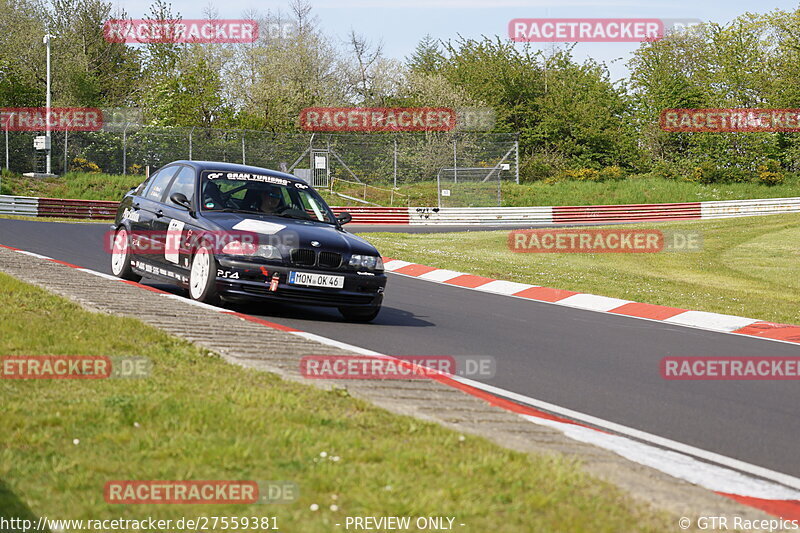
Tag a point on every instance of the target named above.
point(770, 491)
point(604, 304)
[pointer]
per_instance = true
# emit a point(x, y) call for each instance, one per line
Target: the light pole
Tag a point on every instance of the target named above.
point(46, 41)
point(66, 140)
point(8, 121)
point(125, 150)
point(8, 167)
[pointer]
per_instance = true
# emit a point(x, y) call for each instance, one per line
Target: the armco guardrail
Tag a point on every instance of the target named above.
point(106, 210)
point(460, 216)
point(480, 216)
point(626, 213)
point(92, 209)
point(748, 208)
point(377, 215)
point(19, 205)
point(593, 214)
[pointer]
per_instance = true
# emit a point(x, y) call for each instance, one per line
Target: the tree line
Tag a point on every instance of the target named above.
point(573, 121)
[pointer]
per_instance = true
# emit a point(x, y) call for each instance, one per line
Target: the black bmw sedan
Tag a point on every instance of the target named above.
point(233, 232)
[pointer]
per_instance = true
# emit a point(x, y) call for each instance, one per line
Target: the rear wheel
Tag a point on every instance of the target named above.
point(121, 256)
point(203, 277)
point(359, 314)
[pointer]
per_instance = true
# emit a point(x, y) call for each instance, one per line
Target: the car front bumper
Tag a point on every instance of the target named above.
point(252, 280)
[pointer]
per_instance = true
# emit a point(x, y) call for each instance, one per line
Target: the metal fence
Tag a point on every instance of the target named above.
point(492, 216)
point(388, 160)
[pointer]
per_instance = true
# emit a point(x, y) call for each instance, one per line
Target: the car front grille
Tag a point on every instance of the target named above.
point(308, 258)
point(303, 257)
point(330, 259)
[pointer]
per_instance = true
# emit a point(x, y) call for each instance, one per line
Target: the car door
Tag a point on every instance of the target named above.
point(148, 245)
point(176, 223)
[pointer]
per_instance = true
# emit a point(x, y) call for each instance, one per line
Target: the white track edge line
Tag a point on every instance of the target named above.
point(736, 464)
point(100, 274)
point(334, 343)
point(32, 254)
point(608, 312)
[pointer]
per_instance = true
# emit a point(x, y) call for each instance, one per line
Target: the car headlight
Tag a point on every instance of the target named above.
point(265, 251)
point(370, 262)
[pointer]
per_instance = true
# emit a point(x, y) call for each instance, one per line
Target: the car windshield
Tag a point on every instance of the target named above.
point(244, 192)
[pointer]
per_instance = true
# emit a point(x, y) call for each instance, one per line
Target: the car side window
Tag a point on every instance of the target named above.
point(142, 186)
point(159, 182)
point(183, 183)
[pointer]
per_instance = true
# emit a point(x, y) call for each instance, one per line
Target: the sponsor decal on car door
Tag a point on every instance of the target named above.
point(172, 245)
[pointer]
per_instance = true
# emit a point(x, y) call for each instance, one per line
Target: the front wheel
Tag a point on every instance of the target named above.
point(121, 256)
point(203, 277)
point(359, 314)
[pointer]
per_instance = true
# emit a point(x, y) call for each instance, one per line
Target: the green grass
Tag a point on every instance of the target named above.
point(56, 219)
point(74, 185)
point(634, 190)
point(197, 417)
point(747, 267)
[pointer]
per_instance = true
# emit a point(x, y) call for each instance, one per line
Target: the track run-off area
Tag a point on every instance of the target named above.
point(598, 369)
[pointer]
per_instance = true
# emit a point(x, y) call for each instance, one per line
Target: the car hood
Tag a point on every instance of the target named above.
point(292, 233)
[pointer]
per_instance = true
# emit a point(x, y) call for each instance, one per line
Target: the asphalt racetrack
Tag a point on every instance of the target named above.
point(595, 363)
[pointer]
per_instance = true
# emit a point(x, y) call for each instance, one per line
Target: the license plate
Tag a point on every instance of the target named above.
point(316, 280)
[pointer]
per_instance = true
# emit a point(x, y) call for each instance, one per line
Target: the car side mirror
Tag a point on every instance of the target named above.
point(180, 199)
point(344, 217)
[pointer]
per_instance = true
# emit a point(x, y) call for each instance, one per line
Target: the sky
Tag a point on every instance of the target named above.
point(400, 24)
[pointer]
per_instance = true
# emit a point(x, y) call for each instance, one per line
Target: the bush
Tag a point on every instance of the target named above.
point(80, 164)
point(613, 173)
point(665, 170)
point(4, 187)
point(770, 173)
point(582, 174)
point(135, 169)
point(538, 167)
point(708, 173)
point(703, 173)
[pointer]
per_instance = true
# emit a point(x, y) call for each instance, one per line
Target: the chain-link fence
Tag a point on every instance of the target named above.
point(383, 160)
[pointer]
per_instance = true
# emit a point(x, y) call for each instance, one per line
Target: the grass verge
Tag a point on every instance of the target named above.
point(634, 190)
point(57, 219)
point(76, 185)
point(197, 417)
point(747, 266)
